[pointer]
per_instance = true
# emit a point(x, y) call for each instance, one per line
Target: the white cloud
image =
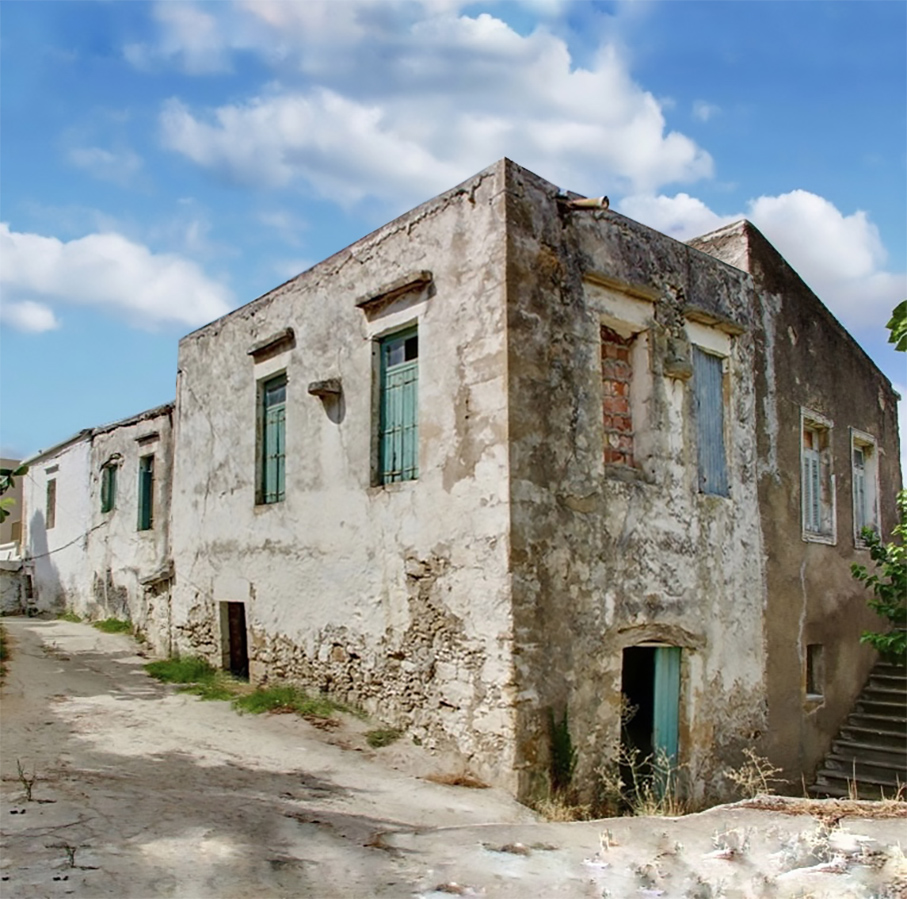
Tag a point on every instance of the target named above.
point(704, 111)
point(840, 256)
point(420, 98)
point(109, 271)
point(120, 167)
point(189, 35)
point(680, 216)
point(28, 316)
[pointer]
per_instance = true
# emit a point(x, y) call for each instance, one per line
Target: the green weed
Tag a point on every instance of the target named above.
point(287, 698)
point(382, 736)
point(69, 615)
point(113, 626)
point(189, 670)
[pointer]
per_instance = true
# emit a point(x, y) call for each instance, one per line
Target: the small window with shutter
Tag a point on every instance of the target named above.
point(146, 493)
point(708, 387)
point(273, 435)
point(817, 501)
point(398, 425)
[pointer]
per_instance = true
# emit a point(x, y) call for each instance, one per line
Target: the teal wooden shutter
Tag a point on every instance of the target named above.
point(108, 487)
point(146, 492)
point(667, 702)
point(708, 384)
point(398, 437)
point(274, 439)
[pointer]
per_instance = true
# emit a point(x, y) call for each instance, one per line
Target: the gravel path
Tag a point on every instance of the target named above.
point(141, 791)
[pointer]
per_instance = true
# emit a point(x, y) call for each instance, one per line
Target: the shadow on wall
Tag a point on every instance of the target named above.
point(44, 590)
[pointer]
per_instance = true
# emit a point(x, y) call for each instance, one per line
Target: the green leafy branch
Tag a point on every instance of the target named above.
point(888, 584)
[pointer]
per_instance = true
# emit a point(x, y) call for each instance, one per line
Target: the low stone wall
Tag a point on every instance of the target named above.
point(12, 589)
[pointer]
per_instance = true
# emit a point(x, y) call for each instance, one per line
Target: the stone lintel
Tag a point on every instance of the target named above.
point(719, 322)
point(285, 339)
point(641, 291)
point(398, 287)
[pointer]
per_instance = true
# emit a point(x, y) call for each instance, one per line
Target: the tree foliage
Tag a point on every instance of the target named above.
point(898, 327)
point(888, 584)
point(7, 482)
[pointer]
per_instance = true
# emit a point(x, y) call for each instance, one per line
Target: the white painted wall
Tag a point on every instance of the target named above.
point(56, 558)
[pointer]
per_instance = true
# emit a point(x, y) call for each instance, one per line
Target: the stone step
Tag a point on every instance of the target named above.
point(894, 679)
point(894, 758)
point(884, 694)
point(877, 737)
point(856, 769)
point(891, 723)
point(841, 789)
point(884, 707)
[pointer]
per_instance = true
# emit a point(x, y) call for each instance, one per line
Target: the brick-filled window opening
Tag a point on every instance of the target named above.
point(617, 374)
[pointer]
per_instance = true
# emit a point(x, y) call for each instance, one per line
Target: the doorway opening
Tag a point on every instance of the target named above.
point(650, 712)
point(235, 645)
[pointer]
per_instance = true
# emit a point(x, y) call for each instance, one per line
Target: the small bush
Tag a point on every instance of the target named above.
point(188, 670)
point(382, 736)
point(113, 626)
point(196, 676)
point(287, 698)
point(69, 615)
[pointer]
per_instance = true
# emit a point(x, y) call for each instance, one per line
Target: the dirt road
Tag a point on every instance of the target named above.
point(141, 791)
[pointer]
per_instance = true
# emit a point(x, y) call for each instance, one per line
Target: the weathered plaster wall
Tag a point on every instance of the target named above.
point(398, 597)
point(122, 559)
point(12, 588)
point(56, 558)
point(804, 358)
point(604, 558)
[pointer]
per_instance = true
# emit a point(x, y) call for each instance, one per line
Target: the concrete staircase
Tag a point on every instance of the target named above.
point(868, 759)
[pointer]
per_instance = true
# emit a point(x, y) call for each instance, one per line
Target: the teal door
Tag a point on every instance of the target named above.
point(666, 703)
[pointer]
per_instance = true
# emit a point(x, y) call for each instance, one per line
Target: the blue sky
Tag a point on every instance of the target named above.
point(161, 164)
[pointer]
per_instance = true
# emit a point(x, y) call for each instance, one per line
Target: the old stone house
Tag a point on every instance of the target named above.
point(97, 523)
point(505, 468)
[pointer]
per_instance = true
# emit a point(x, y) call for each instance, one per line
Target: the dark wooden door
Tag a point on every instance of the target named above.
point(236, 626)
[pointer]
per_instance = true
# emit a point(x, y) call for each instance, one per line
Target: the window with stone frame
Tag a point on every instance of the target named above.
point(617, 377)
point(817, 494)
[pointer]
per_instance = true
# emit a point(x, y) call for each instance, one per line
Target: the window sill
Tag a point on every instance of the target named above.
point(391, 487)
point(827, 539)
point(812, 702)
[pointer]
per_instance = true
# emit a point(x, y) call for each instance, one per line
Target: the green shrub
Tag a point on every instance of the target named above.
point(888, 585)
point(287, 698)
point(382, 736)
point(69, 615)
point(113, 626)
point(188, 670)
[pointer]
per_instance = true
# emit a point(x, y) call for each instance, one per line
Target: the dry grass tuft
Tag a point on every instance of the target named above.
point(457, 780)
point(830, 810)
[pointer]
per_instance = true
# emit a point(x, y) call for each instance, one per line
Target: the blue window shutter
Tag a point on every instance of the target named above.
point(708, 384)
point(812, 488)
point(398, 429)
